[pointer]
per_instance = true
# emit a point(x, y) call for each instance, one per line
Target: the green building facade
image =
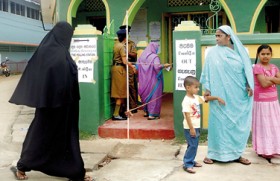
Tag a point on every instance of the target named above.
point(254, 21)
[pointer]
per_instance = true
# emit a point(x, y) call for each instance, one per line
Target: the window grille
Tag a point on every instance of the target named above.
point(176, 3)
point(4, 48)
point(18, 49)
point(9, 48)
point(95, 5)
point(13, 7)
point(4, 5)
point(31, 49)
point(32, 13)
point(22, 11)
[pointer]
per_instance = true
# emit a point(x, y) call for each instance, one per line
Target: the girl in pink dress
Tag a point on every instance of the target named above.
point(266, 109)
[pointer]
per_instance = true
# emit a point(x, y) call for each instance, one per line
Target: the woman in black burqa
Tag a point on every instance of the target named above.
point(50, 84)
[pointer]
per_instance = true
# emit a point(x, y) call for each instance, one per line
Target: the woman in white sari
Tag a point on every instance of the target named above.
point(227, 73)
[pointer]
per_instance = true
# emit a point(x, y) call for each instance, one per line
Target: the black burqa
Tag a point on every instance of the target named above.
point(50, 84)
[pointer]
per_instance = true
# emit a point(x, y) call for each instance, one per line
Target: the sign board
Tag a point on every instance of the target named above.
point(84, 53)
point(185, 51)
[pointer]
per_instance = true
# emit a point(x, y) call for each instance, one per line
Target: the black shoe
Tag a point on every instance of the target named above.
point(146, 114)
point(118, 118)
point(134, 111)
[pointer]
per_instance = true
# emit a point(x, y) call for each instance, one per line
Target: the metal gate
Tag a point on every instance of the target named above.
point(108, 37)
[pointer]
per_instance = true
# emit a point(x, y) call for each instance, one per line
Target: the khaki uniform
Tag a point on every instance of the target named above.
point(118, 72)
point(132, 78)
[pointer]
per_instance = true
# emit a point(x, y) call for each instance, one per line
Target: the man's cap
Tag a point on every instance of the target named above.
point(121, 32)
point(123, 27)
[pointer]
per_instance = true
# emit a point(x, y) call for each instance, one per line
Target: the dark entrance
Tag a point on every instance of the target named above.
point(98, 22)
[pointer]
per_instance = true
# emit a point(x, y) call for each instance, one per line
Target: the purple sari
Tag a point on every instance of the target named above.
point(150, 79)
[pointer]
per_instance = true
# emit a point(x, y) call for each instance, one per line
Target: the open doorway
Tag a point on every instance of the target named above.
point(272, 19)
point(97, 21)
point(91, 12)
point(204, 19)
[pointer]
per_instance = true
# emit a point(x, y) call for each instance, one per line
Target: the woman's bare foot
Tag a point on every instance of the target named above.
point(19, 175)
point(88, 178)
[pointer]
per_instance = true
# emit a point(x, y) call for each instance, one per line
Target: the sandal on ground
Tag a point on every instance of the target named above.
point(243, 161)
point(153, 118)
point(197, 164)
point(189, 170)
point(208, 161)
point(19, 175)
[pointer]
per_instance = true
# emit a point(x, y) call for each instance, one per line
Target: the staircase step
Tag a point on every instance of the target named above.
point(139, 129)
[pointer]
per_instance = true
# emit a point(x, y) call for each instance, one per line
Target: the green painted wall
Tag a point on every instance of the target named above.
point(261, 24)
point(178, 95)
point(238, 9)
point(92, 108)
point(81, 16)
point(118, 10)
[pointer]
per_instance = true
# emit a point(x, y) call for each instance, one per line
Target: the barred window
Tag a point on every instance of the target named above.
point(176, 3)
point(13, 8)
point(17, 9)
point(95, 5)
point(22, 10)
point(32, 13)
point(4, 5)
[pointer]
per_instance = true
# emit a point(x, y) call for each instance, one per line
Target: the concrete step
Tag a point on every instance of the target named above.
point(139, 128)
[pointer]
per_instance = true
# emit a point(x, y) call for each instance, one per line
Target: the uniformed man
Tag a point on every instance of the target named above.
point(118, 73)
point(132, 57)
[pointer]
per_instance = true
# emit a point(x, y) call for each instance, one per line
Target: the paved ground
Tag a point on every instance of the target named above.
point(122, 159)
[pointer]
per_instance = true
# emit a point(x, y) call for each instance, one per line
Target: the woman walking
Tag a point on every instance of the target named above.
point(50, 84)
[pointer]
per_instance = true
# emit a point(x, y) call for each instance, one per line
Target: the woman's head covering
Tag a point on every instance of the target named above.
point(63, 33)
point(148, 56)
point(240, 49)
point(50, 77)
point(149, 53)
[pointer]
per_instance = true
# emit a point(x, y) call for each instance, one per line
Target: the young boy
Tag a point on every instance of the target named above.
point(191, 112)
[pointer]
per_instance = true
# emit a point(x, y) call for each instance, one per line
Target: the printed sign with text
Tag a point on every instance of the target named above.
point(185, 61)
point(84, 53)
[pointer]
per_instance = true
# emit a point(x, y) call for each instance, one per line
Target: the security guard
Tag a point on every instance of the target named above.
point(118, 74)
point(132, 57)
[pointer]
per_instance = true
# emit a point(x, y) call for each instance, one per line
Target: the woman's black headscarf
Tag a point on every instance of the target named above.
point(50, 77)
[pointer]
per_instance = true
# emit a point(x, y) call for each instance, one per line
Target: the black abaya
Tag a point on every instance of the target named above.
point(50, 84)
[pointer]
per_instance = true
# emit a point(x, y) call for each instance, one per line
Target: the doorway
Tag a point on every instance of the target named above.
point(97, 21)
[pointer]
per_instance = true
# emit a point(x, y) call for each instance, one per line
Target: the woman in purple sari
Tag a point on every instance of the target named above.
point(150, 80)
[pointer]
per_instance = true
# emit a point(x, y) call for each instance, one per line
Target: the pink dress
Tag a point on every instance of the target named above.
point(266, 114)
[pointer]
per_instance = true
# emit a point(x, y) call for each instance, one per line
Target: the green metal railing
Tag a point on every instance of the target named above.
point(108, 37)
